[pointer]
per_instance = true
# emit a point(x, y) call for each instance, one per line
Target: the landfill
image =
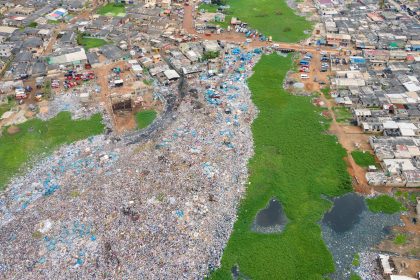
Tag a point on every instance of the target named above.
point(160, 207)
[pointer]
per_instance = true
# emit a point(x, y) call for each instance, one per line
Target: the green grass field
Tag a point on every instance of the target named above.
point(36, 137)
point(384, 204)
point(144, 118)
point(271, 17)
point(90, 43)
point(295, 162)
point(363, 159)
point(111, 9)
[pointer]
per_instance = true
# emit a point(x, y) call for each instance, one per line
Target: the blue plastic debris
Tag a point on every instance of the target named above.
point(179, 213)
point(212, 97)
point(236, 51)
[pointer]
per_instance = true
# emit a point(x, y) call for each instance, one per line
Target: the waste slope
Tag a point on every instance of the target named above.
point(296, 162)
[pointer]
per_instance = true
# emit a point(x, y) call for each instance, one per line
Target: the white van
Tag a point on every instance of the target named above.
point(304, 76)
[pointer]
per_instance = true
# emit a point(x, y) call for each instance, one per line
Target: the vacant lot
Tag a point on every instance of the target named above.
point(144, 118)
point(112, 10)
point(36, 137)
point(297, 163)
point(271, 17)
point(90, 43)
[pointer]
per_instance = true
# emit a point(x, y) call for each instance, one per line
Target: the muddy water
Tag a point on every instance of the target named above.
point(270, 219)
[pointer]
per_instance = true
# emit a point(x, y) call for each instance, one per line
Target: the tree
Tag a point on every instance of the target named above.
point(210, 55)
point(33, 24)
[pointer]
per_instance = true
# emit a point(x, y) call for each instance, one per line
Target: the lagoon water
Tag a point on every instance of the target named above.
point(345, 212)
point(270, 219)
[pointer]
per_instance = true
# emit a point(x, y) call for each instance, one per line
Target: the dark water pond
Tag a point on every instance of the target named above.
point(345, 212)
point(270, 219)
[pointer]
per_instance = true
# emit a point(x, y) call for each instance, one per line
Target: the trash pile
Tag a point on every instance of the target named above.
point(162, 208)
point(369, 268)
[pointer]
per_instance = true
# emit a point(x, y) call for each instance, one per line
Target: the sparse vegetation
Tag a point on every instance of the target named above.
point(36, 137)
point(355, 276)
point(295, 162)
point(112, 9)
point(211, 8)
point(47, 89)
point(55, 22)
point(342, 114)
point(400, 239)
point(210, 55)
point(356, 260)
point(6, 107)
point(326, 91)
point(385, 204)
point(33, 24)
point(37, 234)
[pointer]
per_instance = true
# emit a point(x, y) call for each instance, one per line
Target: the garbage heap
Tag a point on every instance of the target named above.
point(159, 209)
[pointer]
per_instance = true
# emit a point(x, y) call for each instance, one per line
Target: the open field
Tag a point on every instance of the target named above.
point(271, 17)
point(145, 117)
point(112, 10)
point(295, 162)
point(36, 137)
point(89, 43)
